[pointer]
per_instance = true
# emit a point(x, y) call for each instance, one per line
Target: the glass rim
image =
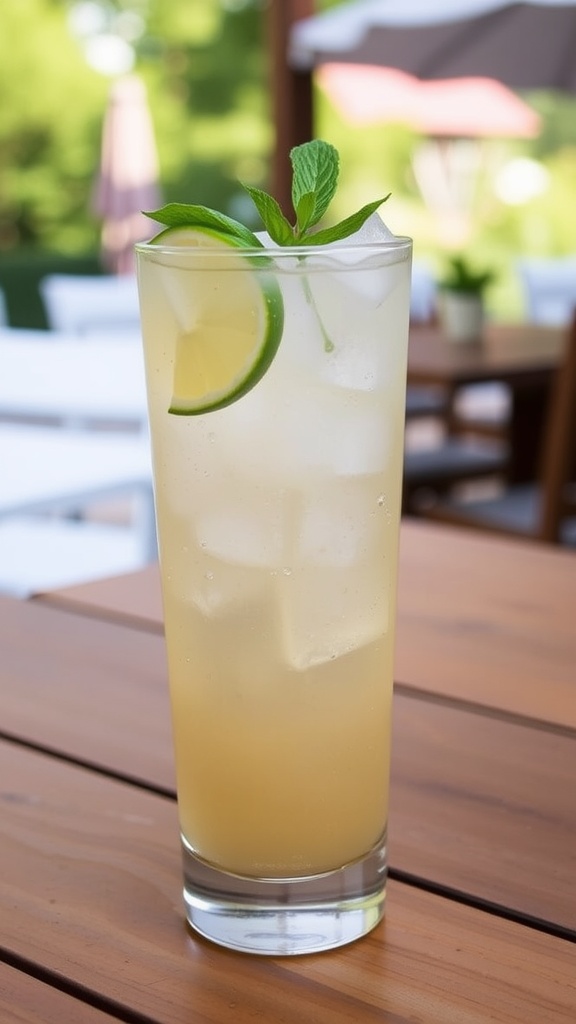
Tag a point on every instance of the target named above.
point(397, 243)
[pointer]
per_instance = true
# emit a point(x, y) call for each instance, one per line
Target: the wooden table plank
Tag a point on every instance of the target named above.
point(87, 858)
point(478, 802)
point(480, 619)
point(485, 806)
point(488, 620)
point(108, 695)
point(26, 1000)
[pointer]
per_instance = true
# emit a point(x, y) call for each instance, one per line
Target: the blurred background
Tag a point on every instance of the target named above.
point(205, 70)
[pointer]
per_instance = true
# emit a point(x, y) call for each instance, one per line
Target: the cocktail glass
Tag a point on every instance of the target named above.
point(278, 523)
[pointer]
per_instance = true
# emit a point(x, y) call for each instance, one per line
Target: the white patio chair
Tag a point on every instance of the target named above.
point(39, 554)
point(83, 304)
point(49, 376)
point(549, 289)
point(49, 474)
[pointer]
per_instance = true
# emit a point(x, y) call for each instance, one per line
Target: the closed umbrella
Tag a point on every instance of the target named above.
point(128, 176)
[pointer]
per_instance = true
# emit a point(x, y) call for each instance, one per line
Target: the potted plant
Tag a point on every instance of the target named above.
point(462, 291)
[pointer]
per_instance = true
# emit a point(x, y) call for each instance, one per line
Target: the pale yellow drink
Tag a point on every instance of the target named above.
point(278, 526)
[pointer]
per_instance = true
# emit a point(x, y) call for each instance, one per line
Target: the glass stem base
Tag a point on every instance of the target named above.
point(286, 916)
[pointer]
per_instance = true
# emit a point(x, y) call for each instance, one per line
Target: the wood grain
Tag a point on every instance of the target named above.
point(87, 688)
point(485, 807)
point(25, 1000)
point(478, 803)
point(91, 884)
point(134, 598)
point(488, 620)
point(480, 619)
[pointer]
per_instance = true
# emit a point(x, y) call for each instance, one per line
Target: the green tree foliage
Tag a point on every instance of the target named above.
point(205, 66)
point(206, 69)
point(50, 104)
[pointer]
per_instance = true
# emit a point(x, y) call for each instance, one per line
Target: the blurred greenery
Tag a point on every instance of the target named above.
point(205, 66)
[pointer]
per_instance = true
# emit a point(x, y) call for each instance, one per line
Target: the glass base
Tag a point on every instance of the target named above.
point(287, 916)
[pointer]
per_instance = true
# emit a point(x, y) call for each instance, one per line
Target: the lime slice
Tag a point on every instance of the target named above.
point(238, 316)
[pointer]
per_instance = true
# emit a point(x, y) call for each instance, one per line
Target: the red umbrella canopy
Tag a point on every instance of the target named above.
point(460, 108)
point(525, 44)
point(128, 177)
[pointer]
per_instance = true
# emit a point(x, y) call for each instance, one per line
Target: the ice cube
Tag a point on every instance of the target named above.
point(326, 613)
point(245, 530)
point(340, 522)
point(373, 230)
point(287, 438)
point(224, 589)
point(339, 592)
point(266, 240)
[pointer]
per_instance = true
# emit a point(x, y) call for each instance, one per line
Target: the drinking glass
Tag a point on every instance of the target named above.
point(278, 522)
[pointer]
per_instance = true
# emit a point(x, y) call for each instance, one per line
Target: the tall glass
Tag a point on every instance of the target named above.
point(278, 523)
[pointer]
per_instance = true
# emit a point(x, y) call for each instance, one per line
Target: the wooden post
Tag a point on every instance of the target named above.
point(291, 96)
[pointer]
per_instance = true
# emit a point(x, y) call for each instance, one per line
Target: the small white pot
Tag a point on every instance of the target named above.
point(462, 316)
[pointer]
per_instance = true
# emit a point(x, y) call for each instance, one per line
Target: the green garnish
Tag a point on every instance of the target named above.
point(315, 170)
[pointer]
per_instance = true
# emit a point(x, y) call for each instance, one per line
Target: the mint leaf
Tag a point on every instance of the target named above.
point(315, 167)
point(344, 228)
point(175, 215)
point(305, 212)
point(274, 220)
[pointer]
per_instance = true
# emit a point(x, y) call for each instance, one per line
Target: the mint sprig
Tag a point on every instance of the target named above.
point(315, 172)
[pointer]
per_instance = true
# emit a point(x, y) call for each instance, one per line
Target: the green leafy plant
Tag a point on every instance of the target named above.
point(460, 276)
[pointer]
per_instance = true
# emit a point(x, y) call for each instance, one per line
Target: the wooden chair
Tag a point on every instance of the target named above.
point(432, 472)
point(544, 511)
point(38, 553)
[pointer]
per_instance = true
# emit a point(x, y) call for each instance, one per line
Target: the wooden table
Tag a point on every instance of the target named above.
point(524, 357)
point(481, 919)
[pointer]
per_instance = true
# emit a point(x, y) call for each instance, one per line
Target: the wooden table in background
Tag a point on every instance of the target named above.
point(481, 919)
point(524, 357)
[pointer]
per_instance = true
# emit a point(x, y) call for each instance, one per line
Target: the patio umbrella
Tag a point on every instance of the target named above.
point(127, 181)
point(524, 45)
point(456, 118)
point(527, 45)
point(468, 107)
point(455, 115)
